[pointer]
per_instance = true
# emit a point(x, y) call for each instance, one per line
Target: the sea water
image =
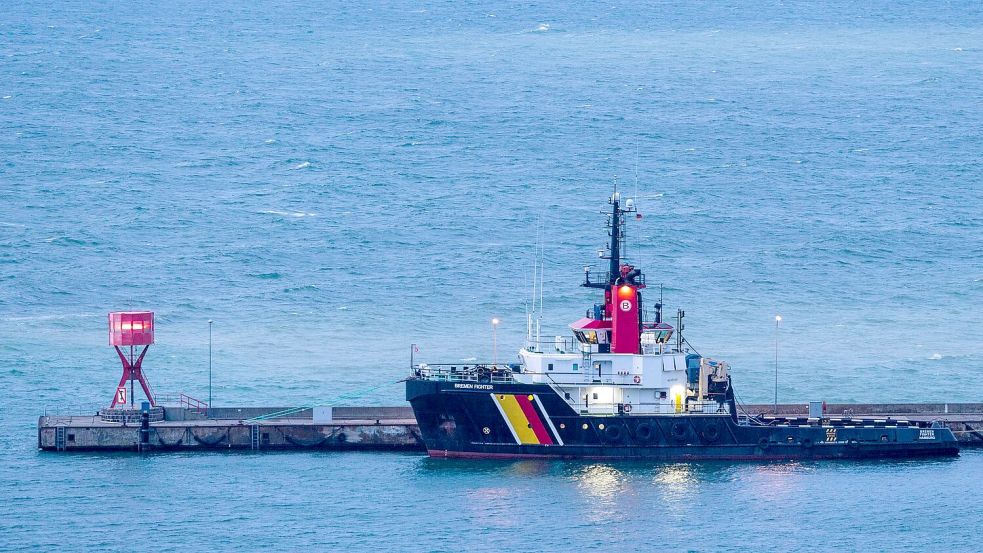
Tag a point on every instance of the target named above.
point(332, 183)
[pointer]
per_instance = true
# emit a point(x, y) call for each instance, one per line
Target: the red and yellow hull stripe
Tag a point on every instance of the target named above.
point(527, 419)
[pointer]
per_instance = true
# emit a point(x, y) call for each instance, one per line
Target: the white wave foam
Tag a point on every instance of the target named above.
point(542, 28)
point(303, 165)
point(288, 213)
point(936, 356)
point(53, 317)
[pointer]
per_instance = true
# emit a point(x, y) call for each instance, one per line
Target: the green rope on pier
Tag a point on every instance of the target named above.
point(343, 397)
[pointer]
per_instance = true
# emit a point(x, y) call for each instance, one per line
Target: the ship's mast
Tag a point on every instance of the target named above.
point(616, 226)
point(615, 265)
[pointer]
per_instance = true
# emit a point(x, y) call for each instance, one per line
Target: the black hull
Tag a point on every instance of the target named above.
point(461, 420)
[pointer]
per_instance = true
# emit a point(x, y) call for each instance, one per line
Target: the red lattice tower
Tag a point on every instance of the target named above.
point(133, 329)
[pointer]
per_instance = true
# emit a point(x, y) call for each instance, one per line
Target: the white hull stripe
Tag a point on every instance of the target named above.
point(549, 421)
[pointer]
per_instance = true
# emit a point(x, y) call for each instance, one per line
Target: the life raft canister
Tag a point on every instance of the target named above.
point(484, 375)
point(637, 379)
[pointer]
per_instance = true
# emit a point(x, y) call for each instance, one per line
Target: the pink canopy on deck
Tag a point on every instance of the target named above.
point(587, 323)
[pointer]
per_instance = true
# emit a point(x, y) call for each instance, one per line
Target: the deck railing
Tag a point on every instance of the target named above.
point(470, 372)
point(650, 408)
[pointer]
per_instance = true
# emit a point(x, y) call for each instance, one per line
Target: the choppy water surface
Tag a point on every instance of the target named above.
point(332, 183)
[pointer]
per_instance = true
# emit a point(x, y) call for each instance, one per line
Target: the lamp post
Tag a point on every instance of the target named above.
point(495, 342)
point(209, 363)
point(778, 320)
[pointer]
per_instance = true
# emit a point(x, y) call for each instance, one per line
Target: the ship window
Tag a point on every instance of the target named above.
point(566, 395)
point(576, 366)
point(71, 437)
point(549, 367)
point(602, 337)
point(595, 395)
point(662, 395)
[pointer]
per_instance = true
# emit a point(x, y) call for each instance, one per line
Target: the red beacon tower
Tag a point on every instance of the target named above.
point(133, 329)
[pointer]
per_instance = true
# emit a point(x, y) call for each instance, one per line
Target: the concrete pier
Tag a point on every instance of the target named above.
point(374, 428)
point(350, 428)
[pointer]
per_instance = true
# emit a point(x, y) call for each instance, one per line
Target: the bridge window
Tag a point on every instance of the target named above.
point(549, 367)
point(593, 336)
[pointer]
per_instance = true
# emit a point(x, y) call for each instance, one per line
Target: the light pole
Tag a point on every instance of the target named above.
point(778, 320)
point(495, 342)
point(209, 363)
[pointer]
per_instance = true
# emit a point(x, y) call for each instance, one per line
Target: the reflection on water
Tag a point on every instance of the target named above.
point(496, 494)
point(602, 482)
point(604, 491)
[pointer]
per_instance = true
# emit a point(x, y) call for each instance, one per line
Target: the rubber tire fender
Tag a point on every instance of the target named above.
point(764, 443)
point(613, 433)
point(679, 431)
point(711, 433)
point(644, 433)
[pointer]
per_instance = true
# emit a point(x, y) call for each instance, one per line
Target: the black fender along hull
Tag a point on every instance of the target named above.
point(471, 420)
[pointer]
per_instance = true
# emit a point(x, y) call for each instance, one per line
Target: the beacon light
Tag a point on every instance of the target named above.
point(625, 292)
point(778, 318)
point(495, 321)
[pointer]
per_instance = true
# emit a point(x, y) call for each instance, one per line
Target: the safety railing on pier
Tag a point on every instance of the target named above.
point(67, 414)
point(191, 403)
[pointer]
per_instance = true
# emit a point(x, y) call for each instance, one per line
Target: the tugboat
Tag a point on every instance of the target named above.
point(628, 388)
